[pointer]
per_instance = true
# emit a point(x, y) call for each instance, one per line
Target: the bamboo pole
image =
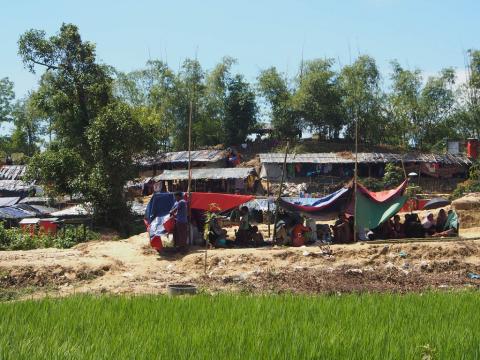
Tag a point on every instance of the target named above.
point(280, 194)
point(268, 206)
point(355, 181)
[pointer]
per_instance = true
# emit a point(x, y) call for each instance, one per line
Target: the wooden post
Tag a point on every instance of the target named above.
point(284, 168)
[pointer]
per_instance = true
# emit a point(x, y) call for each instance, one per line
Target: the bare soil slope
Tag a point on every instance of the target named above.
point(131, 266)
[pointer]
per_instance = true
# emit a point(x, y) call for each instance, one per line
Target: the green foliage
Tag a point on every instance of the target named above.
point(57, 169)
point(17, 239)
point(393, 176)
point(273, 87)
point(318, 98)
point(472, 184)
point(96, 137)
point(360, 326)
point(6, 99)
point(363, 100)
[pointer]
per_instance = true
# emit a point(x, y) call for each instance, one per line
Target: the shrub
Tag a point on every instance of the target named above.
point(17, 239)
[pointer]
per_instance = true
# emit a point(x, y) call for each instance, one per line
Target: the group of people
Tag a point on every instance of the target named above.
point(445, 224)
point(291, 230)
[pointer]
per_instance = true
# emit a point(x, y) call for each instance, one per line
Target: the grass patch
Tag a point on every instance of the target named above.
point(439, 325)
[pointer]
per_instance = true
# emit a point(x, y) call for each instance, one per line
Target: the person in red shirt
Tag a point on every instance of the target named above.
point(298, 231)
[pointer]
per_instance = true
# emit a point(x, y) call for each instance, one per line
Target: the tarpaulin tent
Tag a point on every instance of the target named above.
point(382, 196)
point(323, 208)
point(217, 202)
point(371, 214)
point(161, 203)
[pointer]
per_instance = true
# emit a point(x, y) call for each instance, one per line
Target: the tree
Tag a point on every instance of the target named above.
point(7, 95)
point(405, 102)
point(74, 88)
point(27, 119)
point(152, 93)
point(274, 88)
point(95, 136)
point(363, 100)
point(103, 186)
point(240, 111)
point(318, 99)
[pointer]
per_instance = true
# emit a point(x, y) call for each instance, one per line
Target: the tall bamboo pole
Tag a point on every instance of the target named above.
point(277, 203)
point(355, 180)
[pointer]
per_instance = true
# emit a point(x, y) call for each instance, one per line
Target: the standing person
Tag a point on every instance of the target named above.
point(179, 209)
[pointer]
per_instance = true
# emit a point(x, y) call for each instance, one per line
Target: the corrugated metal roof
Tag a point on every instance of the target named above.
point(182, 157)
point(76, 210)
point(349, 158)
point(207, 173)
point(7, 201)
point(13, 212)
point(15, 186)
point(12, 172)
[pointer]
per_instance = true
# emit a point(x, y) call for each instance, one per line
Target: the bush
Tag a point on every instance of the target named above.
point(470, 185)
point(17, 239)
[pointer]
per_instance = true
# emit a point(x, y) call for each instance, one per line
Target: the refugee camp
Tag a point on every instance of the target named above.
point(249, 180)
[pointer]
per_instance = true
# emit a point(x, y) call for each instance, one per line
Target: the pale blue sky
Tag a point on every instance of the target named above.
point(429, 34)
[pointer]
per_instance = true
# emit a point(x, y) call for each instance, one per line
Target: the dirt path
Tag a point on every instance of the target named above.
point(130, 266)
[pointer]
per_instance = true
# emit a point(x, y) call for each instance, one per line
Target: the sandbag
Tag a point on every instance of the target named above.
point(468, 202)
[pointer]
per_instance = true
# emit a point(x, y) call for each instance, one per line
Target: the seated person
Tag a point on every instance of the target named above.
point(217, 236)
point(441, 220)
point(243, 235)
point(384, 230)
point(398, 228)
point(281, 234)
point(413, 226)
point(429, 224)
point(257, 236)
point(298, 232)
point(452, 225)
point(341, 230)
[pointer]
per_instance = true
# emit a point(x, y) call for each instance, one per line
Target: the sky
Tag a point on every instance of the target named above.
point(424, 34)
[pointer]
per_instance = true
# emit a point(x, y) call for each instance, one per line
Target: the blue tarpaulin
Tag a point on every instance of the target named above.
point(159, 205)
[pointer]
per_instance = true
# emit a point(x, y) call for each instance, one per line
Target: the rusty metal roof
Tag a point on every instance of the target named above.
point(349, 158)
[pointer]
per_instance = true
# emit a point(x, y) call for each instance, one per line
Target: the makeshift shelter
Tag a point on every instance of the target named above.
point(151, 165)
point(373, 208)
point(370, 164)
point(160, 204)
point(325, 208)
point(223, 180)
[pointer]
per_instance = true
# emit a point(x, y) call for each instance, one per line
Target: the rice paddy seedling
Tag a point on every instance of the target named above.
point(369, 326)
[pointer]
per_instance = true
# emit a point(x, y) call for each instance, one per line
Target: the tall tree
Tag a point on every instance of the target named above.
point(318, 98)
point(405, 102)
point(273, 87)
point(363, 100)
point(90, 125)
point(240, 111)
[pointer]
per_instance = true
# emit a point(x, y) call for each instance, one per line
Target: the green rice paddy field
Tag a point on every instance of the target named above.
point(371, 326)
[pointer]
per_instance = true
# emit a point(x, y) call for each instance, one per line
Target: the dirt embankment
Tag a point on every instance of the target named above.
point(130, 266)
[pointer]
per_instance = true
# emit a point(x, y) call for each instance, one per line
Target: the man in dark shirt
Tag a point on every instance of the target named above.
point(179, 209)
